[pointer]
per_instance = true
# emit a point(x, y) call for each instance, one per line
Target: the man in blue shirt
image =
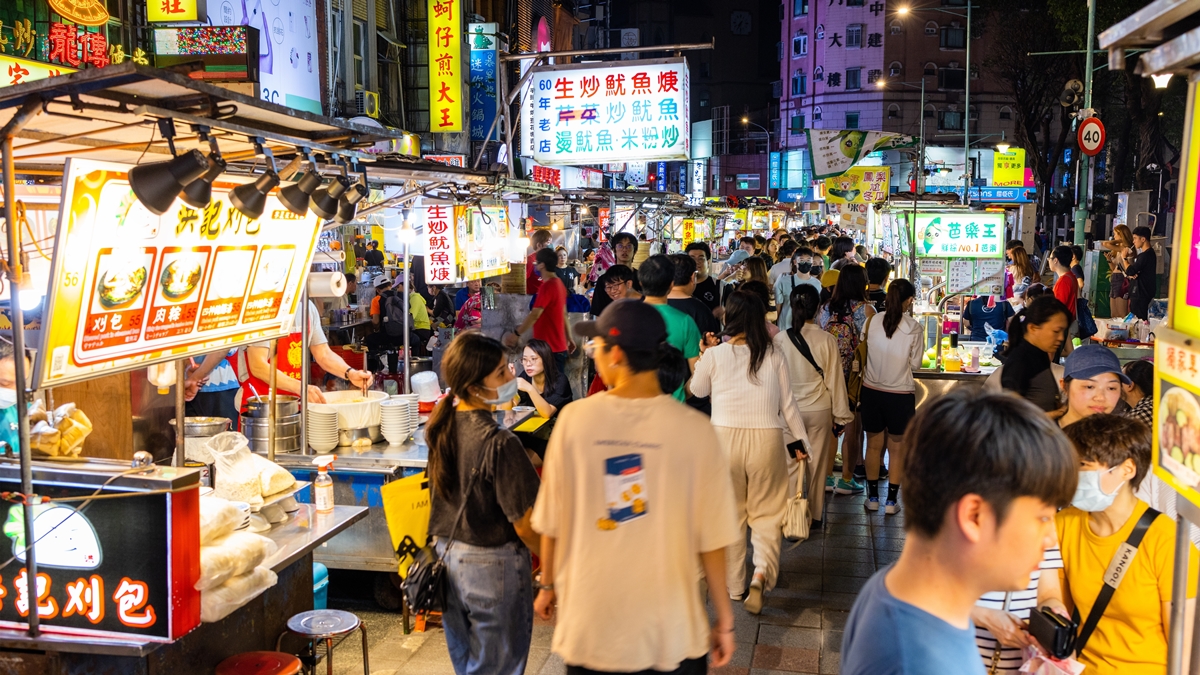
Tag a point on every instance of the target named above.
point(980, 516)
point(211, 388)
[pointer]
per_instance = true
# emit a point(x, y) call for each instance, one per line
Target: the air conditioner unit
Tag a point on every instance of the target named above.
point(728, 179)
point(953, 64)
point(367, 103)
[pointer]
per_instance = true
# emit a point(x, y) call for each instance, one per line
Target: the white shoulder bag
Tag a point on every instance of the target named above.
point(796, 519)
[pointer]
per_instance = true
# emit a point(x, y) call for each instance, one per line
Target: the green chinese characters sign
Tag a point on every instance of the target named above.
point(960, 234)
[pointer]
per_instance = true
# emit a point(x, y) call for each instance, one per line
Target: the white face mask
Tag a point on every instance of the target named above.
point(8, 398)
point(1089, 496)
point(504, 394)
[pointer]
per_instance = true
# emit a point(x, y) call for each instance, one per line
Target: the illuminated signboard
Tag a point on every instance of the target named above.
point(859, 185)
point(445, 66)
point(482, 37)
point(590, 113)
point(960, 234)
point(158, 11)
point(483, 242)
point(227, 52)
point(128, 288)
point(289, 61)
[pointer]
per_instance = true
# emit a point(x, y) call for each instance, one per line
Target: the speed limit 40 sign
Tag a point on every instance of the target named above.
point(1091, 136)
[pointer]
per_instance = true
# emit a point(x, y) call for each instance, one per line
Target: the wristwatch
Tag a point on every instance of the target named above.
point(346, 376)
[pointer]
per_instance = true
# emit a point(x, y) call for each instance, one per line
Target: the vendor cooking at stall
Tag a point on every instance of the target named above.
point(288, 363)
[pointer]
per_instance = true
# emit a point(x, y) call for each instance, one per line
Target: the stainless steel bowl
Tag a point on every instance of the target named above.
point(203, 426)
point(260, 406)
point(346, 437)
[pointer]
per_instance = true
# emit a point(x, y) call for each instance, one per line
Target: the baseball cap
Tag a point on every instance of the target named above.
point(830, 278)
point(738, 256)
point(629, 324)
point(1089, 361)
point(382, 280)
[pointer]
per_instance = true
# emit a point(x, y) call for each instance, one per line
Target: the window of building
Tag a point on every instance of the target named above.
point(854, 33)
point(896, 28)
point(818, 74)
point(851, 120)
point(853, 78)
point(895, 69)
point(931, 28)
point(799, 7)
point(778, 51)
point(930, 69)
point(797, 126)
point(800, 45)
point(952, 78)
point(974, 113)
point(929, 112)
point(817, 114)
point(893, 112)
point(854, 3)
point(799, 84)
point(747, 181)
point(953, 37)
point(950, 120)
point(360, 52)
point(716, 182)
point(1006, 113)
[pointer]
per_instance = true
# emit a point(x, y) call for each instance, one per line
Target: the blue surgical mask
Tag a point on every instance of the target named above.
point(504, 394)
point(1089, 496)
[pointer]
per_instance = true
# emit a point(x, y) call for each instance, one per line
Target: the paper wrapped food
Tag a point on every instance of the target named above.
point(236, 554)
point(274, 478)
point(59, 433)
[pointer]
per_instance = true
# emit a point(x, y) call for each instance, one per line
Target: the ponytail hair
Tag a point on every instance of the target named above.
point(469, 359)
point(673, 368)
point(1036, 313)
point(805, 301)
point(898, 293)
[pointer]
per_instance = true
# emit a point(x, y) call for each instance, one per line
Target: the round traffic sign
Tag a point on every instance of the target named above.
point(1091, 136)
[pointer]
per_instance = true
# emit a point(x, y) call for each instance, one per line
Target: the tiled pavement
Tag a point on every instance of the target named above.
point(799, 630)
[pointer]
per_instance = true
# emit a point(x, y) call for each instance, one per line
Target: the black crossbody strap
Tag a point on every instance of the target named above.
point(463, 507)
point(1113, 575)
point(802, 347)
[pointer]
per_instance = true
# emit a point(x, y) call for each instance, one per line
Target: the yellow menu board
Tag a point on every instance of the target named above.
point(129, 288)
point(1177, 413)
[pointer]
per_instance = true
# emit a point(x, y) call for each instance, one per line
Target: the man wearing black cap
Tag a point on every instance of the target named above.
point(612, 493)
point(1143, 273)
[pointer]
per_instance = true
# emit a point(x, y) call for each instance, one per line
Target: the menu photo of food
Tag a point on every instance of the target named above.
point(227, 283)
point(116, 306)
point(1179, 434)
point(270, 281)
point(176, 300)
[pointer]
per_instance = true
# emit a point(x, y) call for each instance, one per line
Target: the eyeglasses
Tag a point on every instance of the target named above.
point(530, 360)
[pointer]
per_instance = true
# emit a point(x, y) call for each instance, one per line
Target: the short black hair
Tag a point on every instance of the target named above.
point(759, 241)
point(759, 290)
point(700, 246)
point(786, 248)
point(824, 242)
point(620, 273)
point(622, 236)
point(748, 240)
point(1014, 243)
point(547, 257)
point(1142, 374)
point(802, 251)
point(878, 270)
point(685, 269)
point(656, 274)
point(1062, 254)
point(350, 278)
point(1003, 448)
point(1077, 252)
point(673, 368)
point(1143, 232)
point(1109, 440)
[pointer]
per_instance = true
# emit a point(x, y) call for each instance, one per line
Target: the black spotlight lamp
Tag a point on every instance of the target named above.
point(157, 185)
point(348, 205)
point(198, 193)
point(251, 199)
point(324, 202)
point(296, 196)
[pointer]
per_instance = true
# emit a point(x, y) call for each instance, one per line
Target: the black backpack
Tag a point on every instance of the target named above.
point(391, 310)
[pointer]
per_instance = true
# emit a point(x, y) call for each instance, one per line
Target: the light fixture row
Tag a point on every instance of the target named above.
point(189, 176)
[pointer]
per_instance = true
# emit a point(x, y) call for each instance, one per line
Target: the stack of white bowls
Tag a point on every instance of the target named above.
point(395, 424)
point(414, 410)
point(322, 429)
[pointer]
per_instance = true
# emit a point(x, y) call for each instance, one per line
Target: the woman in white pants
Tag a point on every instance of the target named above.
point(819, 389)
point(747, 378)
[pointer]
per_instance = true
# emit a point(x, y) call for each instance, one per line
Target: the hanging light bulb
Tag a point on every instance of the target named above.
point(1161, 81)
point(251, 199)
point(324, 202)
point(407, 234)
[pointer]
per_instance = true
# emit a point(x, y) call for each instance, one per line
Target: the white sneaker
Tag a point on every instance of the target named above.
point(891, 508)
point(754, 600)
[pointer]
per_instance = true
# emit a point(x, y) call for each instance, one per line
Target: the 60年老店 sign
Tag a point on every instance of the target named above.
point(591, 113)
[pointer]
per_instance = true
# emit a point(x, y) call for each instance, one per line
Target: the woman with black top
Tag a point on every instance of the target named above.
point(1035, 336)
point(482, 493)
point(539, 384)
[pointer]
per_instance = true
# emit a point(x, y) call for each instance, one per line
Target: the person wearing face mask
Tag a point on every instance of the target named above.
point(482, 492)
point(802, 265)
point(1130, 632)
point(1035, 335)
point(1092, 380)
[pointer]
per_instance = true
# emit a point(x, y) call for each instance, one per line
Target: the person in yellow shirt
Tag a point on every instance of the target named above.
point(1131, 635)
point(422, 328)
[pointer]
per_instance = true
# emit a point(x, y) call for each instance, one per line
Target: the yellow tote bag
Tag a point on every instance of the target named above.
point(406, 506)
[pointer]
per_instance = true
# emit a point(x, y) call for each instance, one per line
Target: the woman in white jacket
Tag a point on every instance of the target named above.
point(747, 378)
point(888, 401)
point(818, 387)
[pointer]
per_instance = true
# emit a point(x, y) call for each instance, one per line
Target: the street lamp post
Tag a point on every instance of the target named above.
point(746, 121)
point(919, 178)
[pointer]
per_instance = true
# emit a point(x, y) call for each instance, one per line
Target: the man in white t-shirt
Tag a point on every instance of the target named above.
point(626, 511)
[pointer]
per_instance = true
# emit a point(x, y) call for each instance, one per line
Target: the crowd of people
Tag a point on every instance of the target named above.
point(717, 396)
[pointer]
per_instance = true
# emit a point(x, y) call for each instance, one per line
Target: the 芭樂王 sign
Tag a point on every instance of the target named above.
point(959, 234)
point(593, 113)
point(129, 288)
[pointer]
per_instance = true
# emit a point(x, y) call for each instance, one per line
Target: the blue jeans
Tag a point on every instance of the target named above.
point(488, 615)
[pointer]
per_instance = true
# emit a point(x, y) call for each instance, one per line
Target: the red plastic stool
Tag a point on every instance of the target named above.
point(260, 663)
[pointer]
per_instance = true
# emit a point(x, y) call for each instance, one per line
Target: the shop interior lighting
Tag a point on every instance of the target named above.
point(1161, 81)
point(198, 193)
point(157, 185)
point(407, 234)
point(296, 196)
point(251, 199)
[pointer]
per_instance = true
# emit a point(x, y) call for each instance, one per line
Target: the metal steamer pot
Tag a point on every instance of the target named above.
point(260, 406)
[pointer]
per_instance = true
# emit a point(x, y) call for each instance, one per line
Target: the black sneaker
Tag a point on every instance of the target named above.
point(883, 472)
point(860, 471)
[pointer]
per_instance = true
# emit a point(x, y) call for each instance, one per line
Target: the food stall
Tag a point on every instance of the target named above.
point(141, 278)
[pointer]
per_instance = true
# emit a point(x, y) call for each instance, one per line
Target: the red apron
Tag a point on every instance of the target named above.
point(288, 356)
